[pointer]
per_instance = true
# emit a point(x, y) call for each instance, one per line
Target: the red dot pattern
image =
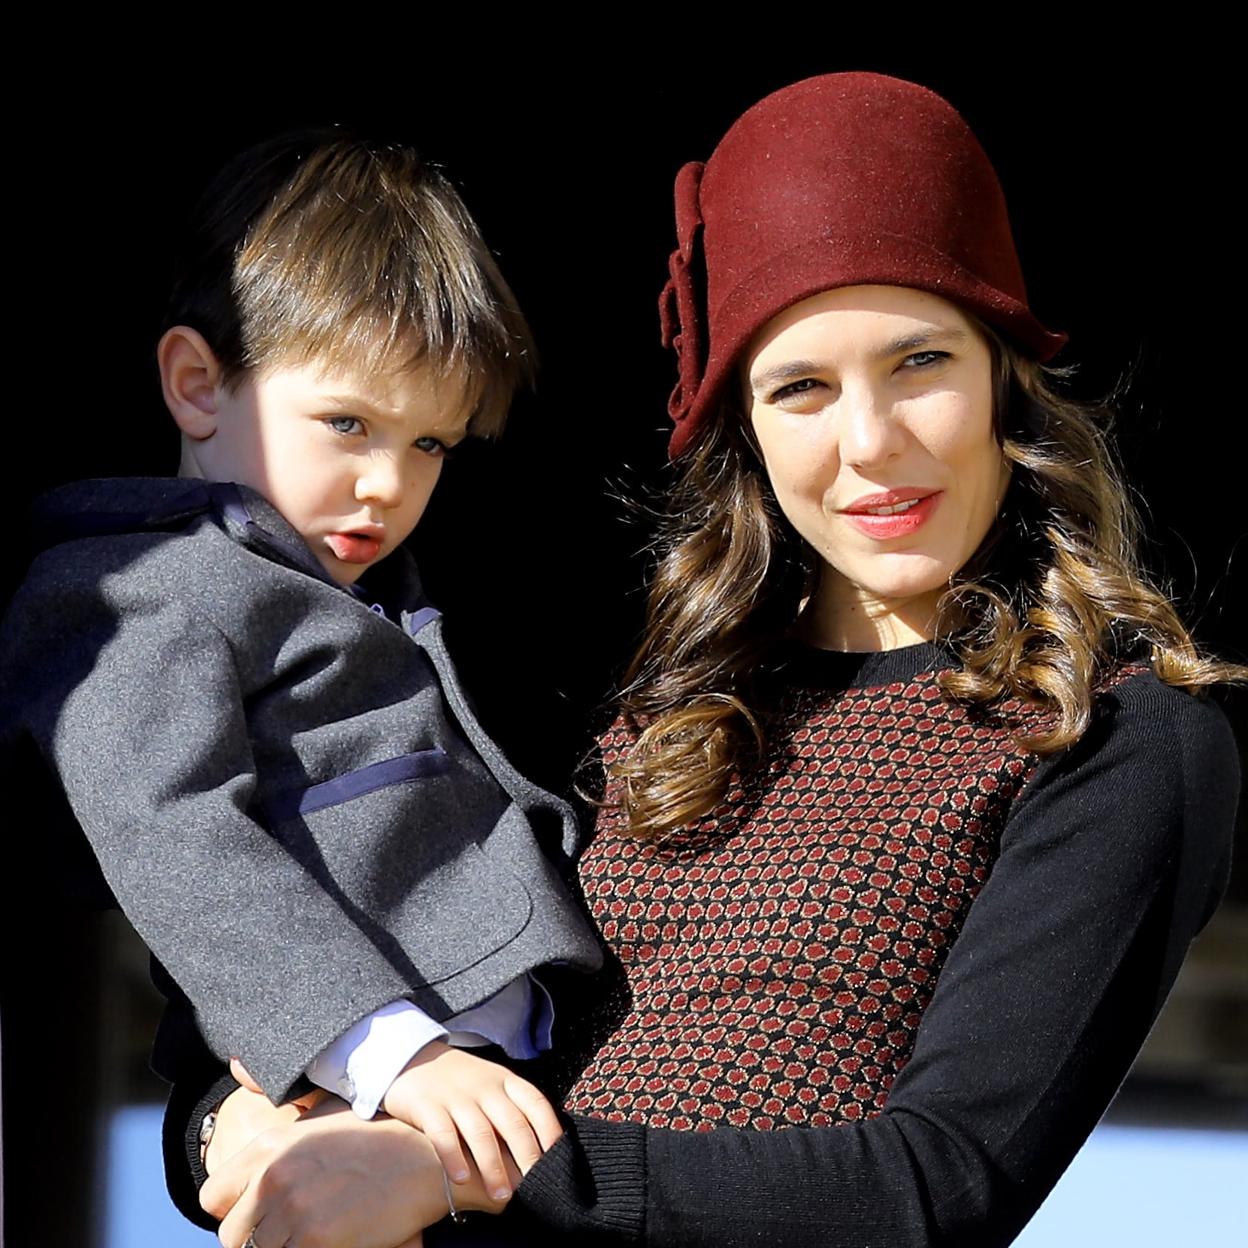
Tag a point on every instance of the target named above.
point(775, 962)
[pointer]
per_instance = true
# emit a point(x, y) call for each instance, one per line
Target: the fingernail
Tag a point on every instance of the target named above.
point(459, 1175)
point(502, 1193)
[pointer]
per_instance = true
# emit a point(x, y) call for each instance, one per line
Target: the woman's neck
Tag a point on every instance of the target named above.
point(846, 617)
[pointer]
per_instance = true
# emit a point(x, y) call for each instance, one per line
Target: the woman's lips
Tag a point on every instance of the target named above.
point(354, 547)
point(896, 513)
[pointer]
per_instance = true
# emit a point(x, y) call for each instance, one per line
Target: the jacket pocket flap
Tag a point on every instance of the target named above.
point(353, 784)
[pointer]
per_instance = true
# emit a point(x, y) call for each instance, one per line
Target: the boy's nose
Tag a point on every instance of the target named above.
point(381, 482)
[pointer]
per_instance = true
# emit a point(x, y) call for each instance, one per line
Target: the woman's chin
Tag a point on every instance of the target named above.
point(907, 583)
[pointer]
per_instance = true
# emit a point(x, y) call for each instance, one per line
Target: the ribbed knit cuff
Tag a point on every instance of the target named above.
point(184, 1170)
point(592, 1182)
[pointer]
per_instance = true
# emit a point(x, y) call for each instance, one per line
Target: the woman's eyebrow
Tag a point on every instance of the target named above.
point(794, 370)
point(790, 370)
point(922, 338)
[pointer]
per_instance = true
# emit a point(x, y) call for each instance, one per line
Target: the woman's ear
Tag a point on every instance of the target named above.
point(190, 377)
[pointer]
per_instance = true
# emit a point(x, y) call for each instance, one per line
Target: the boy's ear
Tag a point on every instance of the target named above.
point(190, 376)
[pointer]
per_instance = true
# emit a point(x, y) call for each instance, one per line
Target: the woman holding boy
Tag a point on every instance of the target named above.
point(912, 807)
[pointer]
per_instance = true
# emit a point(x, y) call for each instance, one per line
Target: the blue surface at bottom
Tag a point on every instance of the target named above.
point(139, 1213)
point(1149, 1187)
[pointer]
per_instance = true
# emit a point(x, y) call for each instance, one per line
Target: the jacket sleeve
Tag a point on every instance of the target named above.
point(1110, 863)
point(134, 700)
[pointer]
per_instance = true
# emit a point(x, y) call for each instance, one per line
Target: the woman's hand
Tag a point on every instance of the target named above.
point(245, 1114)
point(332, 1179)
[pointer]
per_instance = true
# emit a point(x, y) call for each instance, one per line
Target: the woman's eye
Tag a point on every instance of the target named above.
point(345, 424)
point(794, 389)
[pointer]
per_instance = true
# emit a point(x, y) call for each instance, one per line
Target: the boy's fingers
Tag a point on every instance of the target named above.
point(482, 1140)
point(442, 1133)
point(536, 1108)
point(309, 1100)
point(241, 1075)
point(514, 1130)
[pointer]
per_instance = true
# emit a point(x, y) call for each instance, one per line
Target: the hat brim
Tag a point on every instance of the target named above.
point(830, 262)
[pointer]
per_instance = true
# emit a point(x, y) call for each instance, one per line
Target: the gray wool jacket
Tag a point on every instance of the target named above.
point(287, 792)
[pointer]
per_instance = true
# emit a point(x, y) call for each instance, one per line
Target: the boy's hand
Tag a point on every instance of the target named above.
point(455, 1099)
point(242, 1075)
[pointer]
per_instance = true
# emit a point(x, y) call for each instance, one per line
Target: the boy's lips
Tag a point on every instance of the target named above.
point(356, 546)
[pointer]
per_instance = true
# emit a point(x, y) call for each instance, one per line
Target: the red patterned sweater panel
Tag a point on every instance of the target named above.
point(774, 964)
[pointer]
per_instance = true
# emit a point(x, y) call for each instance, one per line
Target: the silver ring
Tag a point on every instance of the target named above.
point(251, 1240)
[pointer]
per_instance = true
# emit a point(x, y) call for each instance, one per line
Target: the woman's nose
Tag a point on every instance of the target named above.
point(870, 432)
point(381, 481)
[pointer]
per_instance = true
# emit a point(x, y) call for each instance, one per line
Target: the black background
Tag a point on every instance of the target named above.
point(1116, 165)
point(1116, 175)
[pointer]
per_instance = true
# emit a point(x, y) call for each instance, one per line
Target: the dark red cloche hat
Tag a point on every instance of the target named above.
point(842, 180)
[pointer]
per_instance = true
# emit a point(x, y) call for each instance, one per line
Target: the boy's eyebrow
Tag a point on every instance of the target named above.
point(351, 399)
point(361, 404)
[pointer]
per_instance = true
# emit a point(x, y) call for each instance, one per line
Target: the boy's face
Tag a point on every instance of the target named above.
point(348, 459)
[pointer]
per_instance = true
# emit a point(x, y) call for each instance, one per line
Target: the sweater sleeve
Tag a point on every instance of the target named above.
point(135, 700)
point(1111, 861)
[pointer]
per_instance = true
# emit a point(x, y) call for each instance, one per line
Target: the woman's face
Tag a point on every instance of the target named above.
point(872, 406)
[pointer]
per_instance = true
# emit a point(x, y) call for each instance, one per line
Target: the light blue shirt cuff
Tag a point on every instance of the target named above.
point(366, 1059)
point(517, 1018)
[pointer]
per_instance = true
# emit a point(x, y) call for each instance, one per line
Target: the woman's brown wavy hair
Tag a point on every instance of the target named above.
point(1050, 603)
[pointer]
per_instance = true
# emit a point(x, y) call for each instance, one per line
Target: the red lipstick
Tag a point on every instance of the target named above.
point(892, 513)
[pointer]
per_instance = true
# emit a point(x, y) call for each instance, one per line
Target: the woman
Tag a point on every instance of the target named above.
point(911, 813)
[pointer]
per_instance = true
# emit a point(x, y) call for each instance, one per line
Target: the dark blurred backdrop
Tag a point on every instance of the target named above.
point(1115, 167)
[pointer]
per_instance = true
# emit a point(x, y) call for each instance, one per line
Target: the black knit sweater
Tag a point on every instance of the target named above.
point(928, 954)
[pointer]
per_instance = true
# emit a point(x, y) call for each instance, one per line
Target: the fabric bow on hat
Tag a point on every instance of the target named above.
point(680, 317)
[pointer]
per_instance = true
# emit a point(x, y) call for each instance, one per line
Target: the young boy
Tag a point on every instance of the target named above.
point(245, 694)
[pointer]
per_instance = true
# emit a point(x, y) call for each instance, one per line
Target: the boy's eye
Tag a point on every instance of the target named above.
point(921, 359)
point(345, 424)
point(432, 446)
